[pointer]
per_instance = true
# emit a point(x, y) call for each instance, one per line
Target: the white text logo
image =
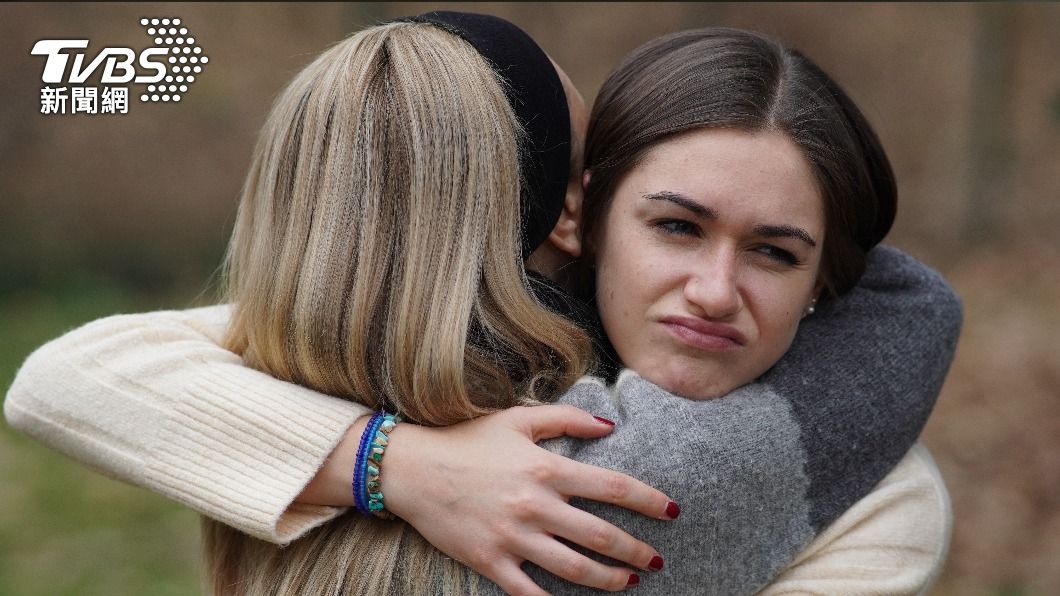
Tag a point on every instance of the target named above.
point(167, 69)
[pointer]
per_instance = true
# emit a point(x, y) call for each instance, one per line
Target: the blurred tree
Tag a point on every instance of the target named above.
point(990, 150)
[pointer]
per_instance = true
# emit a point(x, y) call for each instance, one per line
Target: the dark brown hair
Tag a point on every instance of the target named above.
point(727, 78)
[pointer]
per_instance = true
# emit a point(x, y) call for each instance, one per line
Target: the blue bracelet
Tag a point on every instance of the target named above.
point(360, 495)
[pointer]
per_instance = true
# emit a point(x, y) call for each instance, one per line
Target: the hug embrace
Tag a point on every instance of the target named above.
point(656, 345)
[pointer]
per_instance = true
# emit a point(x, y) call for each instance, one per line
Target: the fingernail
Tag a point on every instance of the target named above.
point(656, 563)
point(673, 510)
point(634, 579)
point(605, 420)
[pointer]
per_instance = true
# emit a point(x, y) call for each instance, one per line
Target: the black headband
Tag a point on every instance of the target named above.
point(539, 102)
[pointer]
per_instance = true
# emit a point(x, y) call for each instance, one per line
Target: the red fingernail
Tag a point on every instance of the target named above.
point(656, 563)
point(605, 421)
point(634, 579)
point(673, 510)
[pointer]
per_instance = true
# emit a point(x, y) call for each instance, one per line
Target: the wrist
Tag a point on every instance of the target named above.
point(402, 481)
point(367, 476)
point(331, 484)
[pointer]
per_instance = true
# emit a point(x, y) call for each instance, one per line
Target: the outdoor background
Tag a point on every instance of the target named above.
point(108, 214)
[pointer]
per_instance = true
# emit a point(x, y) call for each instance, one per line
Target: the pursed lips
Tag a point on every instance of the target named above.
point(704, 335)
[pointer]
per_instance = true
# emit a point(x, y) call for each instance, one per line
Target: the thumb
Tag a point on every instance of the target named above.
point(550, 421)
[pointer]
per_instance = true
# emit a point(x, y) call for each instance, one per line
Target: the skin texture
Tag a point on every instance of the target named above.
point(701, 281)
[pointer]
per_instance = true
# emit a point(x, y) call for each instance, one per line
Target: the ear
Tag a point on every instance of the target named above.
point(566, 235)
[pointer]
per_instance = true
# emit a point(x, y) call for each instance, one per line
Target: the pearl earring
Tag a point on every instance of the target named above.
point(812, 308)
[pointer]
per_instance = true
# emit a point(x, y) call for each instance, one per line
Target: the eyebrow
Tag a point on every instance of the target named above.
point(771, 231)
point(683, 201)
point(764, 230)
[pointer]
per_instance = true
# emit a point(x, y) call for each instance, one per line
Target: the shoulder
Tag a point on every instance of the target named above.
point(893, 541)
point(915, 487)
point(909, 509)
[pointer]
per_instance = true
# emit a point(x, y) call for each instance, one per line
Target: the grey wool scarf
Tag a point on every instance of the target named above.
point(760, 472)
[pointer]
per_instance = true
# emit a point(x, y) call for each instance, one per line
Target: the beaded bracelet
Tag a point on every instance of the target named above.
point(366, 485)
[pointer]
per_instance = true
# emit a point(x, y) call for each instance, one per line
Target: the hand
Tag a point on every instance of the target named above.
point(485, 494)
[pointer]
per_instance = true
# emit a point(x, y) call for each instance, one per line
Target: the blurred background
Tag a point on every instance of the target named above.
point(107, 214)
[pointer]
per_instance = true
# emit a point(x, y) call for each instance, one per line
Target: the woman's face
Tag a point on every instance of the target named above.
point(708, 258)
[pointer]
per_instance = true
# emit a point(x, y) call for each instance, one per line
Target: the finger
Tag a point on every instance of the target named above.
point(513, 580)
point(597, 535)
point(559, 559)
point(576, 479)
point(550, 421)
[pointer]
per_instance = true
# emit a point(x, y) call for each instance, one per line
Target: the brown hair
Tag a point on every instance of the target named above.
point(727, 78)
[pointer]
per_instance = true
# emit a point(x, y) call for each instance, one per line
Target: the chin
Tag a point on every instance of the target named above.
point(693, 384)
point(702, 393)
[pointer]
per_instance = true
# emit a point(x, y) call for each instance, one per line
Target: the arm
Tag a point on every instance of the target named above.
point(891, 543)
point(154, 401)
point(763, 470)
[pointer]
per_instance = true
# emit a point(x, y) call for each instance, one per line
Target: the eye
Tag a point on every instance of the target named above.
point(676, 227)
point(778, 254)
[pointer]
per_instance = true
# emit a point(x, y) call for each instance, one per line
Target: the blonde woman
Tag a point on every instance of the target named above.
point(298, 332)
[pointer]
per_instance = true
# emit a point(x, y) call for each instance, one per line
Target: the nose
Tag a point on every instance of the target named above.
point(712, 286)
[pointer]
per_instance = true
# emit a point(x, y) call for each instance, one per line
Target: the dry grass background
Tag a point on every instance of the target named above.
point(104, 214)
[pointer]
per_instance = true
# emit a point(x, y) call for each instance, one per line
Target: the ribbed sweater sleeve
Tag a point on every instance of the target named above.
point(763, 470)
point(155, 401)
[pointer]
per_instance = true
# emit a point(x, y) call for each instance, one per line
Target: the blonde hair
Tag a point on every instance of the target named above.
point(375, 257)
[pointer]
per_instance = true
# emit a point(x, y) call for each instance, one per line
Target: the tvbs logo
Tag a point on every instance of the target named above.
point(118, 63)
point(167, 68)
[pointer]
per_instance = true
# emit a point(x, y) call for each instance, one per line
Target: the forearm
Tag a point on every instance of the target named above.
point(153, 400)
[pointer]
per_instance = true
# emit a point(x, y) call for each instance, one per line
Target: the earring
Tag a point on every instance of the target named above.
point(812, 308)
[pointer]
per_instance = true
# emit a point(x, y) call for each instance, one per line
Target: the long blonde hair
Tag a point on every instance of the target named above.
point(375, 257)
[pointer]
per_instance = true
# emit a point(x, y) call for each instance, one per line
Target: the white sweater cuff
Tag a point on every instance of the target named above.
point(240, 450)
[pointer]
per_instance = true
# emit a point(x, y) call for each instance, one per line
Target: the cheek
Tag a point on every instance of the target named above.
point(617, 264)
point(778, 305)
point(627, 282)
point(615, 270)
